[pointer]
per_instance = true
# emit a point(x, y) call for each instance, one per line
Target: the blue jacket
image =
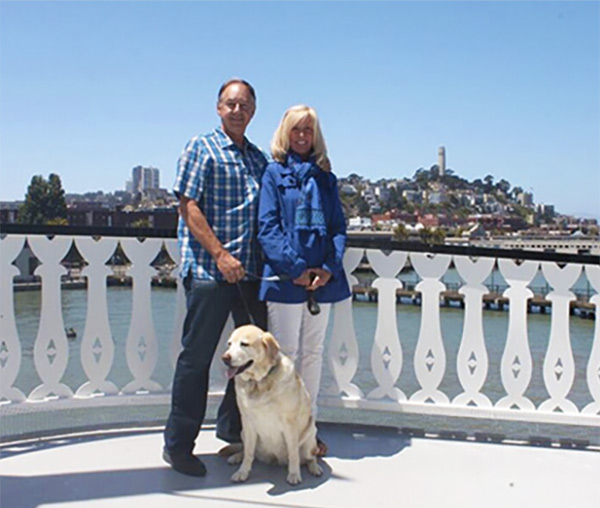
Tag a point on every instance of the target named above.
point(288, 251)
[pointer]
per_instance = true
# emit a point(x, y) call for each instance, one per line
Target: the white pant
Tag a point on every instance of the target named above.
point(301, 336)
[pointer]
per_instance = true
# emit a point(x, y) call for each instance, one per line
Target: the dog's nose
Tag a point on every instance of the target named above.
point(226, 359)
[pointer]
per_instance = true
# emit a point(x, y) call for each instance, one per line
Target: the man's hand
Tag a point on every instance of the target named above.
point(231, 267)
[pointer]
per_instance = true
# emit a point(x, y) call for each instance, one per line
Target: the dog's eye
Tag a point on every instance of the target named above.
point(244, 344)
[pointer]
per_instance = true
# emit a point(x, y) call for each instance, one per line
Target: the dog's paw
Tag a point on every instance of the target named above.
point(294, 478)
point(241, 475)
point(235, 459)
point(314, 469)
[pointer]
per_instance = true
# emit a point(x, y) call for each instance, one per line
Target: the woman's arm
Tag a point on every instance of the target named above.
point(276, 247)
point(337, 230)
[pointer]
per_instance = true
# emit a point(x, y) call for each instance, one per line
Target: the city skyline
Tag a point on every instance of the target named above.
point(148, 178)
point(92, 89)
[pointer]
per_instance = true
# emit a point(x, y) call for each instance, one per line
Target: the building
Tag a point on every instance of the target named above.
point(359, 223)
point(442, 160)
point(525, 199)
point(9, 211)
point(145, 179)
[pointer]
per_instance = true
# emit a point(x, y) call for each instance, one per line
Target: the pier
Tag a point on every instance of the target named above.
point(491, 301)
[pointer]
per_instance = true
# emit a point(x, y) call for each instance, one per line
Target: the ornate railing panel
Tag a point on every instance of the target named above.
point(10, 346)
point(516, 360)
point(97, 345)
point(389, 355)
point(472, 356)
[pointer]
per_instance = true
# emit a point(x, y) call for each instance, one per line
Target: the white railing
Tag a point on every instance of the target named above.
point(430, 363)
point(388, 357)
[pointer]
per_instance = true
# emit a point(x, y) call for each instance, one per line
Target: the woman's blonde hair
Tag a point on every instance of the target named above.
point(280, 145)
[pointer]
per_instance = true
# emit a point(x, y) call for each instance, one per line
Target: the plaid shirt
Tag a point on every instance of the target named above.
point(224, 181)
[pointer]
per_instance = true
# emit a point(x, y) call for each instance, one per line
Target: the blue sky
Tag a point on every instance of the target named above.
point(89, 90)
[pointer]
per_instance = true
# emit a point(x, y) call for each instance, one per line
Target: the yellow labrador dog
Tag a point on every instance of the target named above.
point(277, 425)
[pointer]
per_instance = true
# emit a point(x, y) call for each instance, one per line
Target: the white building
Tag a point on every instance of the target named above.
point(359, 223)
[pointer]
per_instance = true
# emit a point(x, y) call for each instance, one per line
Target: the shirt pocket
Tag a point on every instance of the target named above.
point(229, 185)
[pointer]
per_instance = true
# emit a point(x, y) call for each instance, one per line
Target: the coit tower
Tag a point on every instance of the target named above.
point(442, 160)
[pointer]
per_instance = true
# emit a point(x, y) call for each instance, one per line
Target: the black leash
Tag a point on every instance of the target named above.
point(313, 306)
point(274, 278)
point(250, 318)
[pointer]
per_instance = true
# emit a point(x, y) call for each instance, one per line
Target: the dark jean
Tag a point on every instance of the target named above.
point(208, 306)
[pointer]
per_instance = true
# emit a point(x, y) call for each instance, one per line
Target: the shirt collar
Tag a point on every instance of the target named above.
point(226, 142)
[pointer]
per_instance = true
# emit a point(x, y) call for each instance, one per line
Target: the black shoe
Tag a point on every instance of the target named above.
point(185, 464)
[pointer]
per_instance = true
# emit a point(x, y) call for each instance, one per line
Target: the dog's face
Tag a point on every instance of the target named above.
point(251, 352)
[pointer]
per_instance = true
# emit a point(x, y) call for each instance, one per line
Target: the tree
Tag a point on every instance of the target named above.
point(395, 199)
point(516, 191)
point(140, 223)
point(362, 207)
point(503, 186)
point(422, 178)
point(44, 202)
point(56, 198)
point(401, 233)
point(478, 184)
point(432, 236)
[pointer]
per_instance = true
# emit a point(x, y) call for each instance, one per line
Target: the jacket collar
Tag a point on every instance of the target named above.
point(293, 158)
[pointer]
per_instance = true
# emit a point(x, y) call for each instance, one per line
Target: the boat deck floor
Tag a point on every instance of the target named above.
point(367, 467)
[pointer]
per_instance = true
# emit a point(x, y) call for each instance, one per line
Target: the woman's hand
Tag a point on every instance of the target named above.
point(313, 278)
point(304, 279)
point(320, 278)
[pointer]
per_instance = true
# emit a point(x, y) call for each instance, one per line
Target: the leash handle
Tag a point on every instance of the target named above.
point(313, 306)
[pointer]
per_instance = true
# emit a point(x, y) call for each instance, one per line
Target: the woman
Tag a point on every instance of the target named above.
point(302, 231)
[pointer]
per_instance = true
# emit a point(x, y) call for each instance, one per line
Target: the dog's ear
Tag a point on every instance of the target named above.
point(271, 345)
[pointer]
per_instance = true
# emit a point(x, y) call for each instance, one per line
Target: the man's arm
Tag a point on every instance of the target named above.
point(231, 268)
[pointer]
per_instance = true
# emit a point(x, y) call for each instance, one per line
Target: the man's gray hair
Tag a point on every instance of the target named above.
point(239, 81)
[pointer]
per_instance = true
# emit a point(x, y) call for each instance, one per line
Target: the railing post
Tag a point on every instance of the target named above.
point(593, 368)
point(343, 350)
point(516, 366)
point(51, 349)
point(175, 344)
point(141, 345)
point(430, 356)
point(10, 346)
point(559, 365)
point(386, 354)
point(97, 345)
point(472, 360)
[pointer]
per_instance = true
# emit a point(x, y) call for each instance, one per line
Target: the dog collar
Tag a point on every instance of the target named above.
point(271, 370)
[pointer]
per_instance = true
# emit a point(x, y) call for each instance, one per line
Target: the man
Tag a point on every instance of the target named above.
point(217, 185)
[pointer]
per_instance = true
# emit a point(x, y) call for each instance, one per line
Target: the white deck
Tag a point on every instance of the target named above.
point(367, 467)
